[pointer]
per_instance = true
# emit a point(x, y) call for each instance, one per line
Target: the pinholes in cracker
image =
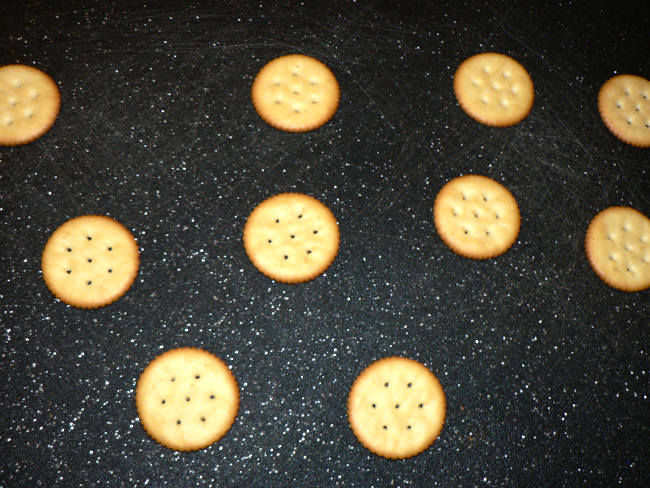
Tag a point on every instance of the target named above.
point(29, 104)
point(476, 217)
point(617, 244)
point(624, 106)
point(494, 89)
point(90, 261)
point(295, 93)
point(291, 237)
point(396, 407)
point(187, 399)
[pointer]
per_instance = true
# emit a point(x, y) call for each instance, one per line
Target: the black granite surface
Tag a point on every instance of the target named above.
point(545, 367)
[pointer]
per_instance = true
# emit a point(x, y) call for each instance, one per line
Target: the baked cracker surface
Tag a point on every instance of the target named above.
point(396, 407)
point(29, 104)
point(624, 106)
point(291, 237)
point(187, 399)
point(476, 216)
point(295, 93)
point(494, 89)
point(90, 261)
point(617, 244)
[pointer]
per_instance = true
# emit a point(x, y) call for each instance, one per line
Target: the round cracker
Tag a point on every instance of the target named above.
point(476, 217)
point(29, 104)
point(396, 407)
point(617, 244)
point(90, 261)
point(624, 106)
point(187, 399)
point(494, 89)
point(295, 93)
point(291, 237)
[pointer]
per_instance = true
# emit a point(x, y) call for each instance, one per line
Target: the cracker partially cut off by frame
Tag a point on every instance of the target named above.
point(494, 89)
point(617, 244)
point(29, 104)
point(187, 399)
point(90, 261)
point(396, 407)
point(291, 237)
point(476, 216)
point(295, 93)
point(624, 106)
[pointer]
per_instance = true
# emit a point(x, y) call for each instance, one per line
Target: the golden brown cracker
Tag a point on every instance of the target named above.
point(90, 261)
point(617, 244)
point(494, 89)
point(29, 104)
point(295, 93)
point(624, 106)
point(476, 216)
point(187, 399)
point(291, 237)
point(396, 407)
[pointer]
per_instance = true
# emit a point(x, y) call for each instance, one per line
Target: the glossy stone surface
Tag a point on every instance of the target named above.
point(545, 367)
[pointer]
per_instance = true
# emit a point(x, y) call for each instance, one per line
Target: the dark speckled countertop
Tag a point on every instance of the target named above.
point(545, 367)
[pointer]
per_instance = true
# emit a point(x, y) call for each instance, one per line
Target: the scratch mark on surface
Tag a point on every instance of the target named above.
point(500, 23)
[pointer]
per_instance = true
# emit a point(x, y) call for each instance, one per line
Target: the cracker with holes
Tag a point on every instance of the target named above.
point(187, 399)
point(295, 93)
point(90, 261)
point(396, 407)
point(624, 106)
point(617, 244)
point(29, 104)
point(476, 217)
point(494, 89)
point(291, 237)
